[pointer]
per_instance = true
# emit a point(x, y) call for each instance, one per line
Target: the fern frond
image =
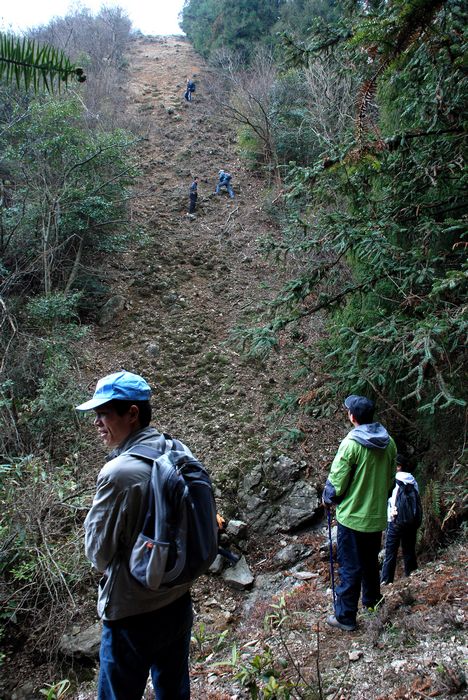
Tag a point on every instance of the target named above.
point(25, 62)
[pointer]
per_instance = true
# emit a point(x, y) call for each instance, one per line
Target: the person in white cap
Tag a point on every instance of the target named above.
point(143, 631)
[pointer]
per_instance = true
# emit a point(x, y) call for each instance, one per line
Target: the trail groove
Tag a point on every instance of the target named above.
point(187, 283)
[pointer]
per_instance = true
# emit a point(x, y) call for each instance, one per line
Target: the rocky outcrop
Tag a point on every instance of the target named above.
point(275, 496)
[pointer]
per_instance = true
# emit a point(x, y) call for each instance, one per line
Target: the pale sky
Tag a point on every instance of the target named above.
point(150, 16)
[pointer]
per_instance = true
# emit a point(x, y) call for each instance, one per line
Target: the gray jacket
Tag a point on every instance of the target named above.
point(112, 526)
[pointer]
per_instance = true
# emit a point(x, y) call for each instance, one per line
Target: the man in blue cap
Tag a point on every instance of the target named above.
point(359, 482)
point(144, 631)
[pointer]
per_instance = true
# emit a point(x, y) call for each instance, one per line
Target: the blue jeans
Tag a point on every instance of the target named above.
point(156, 642)
point(193, 202)
point(228, 188)
point(358, 557)
point(407, 538)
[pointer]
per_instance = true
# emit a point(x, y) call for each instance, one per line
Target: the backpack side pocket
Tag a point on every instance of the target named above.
point(148, 561)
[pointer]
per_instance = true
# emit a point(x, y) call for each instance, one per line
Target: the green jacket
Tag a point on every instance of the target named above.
point(364, 475)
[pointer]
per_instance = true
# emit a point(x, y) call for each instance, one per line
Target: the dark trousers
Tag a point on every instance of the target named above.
point(193, 202)
point(407, 538)
point(358, 558)
point(157, 643)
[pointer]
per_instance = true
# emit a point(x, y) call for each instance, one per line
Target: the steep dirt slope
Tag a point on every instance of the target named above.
point(186, 283)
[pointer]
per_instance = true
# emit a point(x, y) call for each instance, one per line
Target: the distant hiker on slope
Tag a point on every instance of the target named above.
point(359, 483)
point(225, 181)
point(404, 517)
point(190, 89)
point(193, 195)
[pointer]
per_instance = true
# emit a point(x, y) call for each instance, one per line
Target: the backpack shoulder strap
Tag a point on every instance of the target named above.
point(152, 453)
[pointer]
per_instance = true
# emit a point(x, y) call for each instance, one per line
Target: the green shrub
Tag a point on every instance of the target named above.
point(42, 565)
point(58, 307)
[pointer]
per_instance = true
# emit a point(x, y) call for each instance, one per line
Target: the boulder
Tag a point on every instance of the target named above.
point(303, 575)
point(218, 565)
point(237, 528)
point(299, 506)
point(239, 576)
point(114, 306)
point(291, 554)
point(82, 642)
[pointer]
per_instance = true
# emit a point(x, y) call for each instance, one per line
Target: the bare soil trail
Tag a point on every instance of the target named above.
point(187, 282)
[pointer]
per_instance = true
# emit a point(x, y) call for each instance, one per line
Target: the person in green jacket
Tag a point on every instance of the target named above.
point(359, 482)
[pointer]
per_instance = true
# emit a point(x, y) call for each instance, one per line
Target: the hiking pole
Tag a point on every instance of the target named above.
point(227, 554)
point(332, 570)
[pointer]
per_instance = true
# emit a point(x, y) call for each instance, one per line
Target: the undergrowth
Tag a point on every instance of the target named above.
point(42, 566)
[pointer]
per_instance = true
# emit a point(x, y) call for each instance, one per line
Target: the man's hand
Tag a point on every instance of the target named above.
point(329, 494)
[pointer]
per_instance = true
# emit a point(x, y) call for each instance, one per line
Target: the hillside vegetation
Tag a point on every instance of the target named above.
point(364, 122)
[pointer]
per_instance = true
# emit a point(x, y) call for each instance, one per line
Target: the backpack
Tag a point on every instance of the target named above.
point(179, 538)
point(408, 506)
point(191, 86)
point(227, 178)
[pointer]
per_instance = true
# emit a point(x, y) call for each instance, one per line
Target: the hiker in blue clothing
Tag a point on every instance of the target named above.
point(190, 89)
point(193, 194)
point(225, 181)
point(403, 533)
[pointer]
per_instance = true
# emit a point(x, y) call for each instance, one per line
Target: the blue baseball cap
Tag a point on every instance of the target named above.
point(123, 386)
point(359, 406)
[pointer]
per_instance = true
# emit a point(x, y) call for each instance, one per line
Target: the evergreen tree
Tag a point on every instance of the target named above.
point(298, 17)
point(238, 26)
point(378, 223)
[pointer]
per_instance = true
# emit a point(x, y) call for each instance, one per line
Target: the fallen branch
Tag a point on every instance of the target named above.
point(390, 405)
point(229, 217)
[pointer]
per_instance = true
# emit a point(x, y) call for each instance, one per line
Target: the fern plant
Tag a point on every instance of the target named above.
point(27, 63)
